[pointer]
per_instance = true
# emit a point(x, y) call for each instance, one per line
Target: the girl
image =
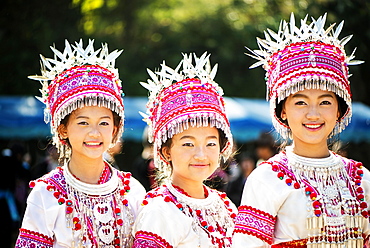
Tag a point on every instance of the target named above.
point(306, 196)
point(85, 202)
point(190, 134)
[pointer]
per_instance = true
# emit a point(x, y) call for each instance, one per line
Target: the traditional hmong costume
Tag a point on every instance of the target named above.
point(295, 201)
point(63, 211)
point(169, 217)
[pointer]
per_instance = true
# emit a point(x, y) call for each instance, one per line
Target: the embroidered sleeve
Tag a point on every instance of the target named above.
point(255, 222)
point(145, 239)
point(28, 239)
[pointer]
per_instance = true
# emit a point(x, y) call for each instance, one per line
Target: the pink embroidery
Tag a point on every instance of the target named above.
point(255, 222)
point(33, 239)
point(145, 239)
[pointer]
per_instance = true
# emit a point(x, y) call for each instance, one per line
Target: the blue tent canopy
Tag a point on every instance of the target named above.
point(22, 118)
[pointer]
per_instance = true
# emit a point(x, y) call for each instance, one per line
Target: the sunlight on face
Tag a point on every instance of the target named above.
point(311, 115)
point(194, 154)
point(90, 131)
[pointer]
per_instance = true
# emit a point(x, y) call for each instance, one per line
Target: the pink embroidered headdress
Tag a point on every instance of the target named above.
point(182, 98)
point(75, 78)
point(309, 57)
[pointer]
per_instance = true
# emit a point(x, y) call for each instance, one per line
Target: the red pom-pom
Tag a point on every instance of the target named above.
point(78, 226)
point(61, 201)
point(280, 175)
point(363, 205)
point(69, 210)
point(120, 222)
point(122, 192)
point(56, 194)
point(313, 196)
point(50, 188)
point(167, 199)
point(75, 220)
point(316, 204)
point(361, 197)
point(32, 184)
point(198, 212)
point(365, 214)
point(117, 210)
point(233, 215)
point(204, 223)
point(125, 202)
point(296, 185)
point(210, 229)
point(360, 190)
point(317, 212)
point(275, 167)
point(145, 202)
point(288, 181)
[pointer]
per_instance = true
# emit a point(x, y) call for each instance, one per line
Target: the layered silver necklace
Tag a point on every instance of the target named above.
point(334, 216)
point(98, 208)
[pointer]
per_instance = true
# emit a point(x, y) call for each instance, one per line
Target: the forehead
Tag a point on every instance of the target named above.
point(90, 111)
point(198, 132)
point(313, 93)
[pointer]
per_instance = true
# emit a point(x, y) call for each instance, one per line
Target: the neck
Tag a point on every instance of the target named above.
point(311, 151)
point(86, 171)
point(194, 190)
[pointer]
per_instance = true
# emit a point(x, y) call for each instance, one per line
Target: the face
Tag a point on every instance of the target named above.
point(90, 131)
point(311, 115)
point(194, 154)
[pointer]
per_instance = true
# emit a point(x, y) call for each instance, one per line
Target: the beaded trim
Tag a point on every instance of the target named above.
point(333, 186)
point(212, 215)
point(295, 243)
point(28, 239)
point(255, 222)
point(94, 211)
point(145, 239)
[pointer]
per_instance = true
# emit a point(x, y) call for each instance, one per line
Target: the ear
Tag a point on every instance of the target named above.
point(62, 131)
point(283, 114)
point(166, 153)
point(114, 134)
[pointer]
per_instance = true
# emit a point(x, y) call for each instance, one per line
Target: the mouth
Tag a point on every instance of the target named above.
point(313, 127)
point(199, 165)
point(93, 144)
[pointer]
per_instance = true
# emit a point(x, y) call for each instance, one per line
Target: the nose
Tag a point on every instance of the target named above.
point(200, 154)
point(94, 132)
point(313, 113)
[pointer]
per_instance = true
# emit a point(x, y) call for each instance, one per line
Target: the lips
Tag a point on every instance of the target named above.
point(199, 165)
point(313, 126)
point(93, 143)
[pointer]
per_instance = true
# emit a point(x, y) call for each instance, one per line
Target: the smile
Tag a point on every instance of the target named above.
point(92, 143)
point(199, 165)
point(313, 126)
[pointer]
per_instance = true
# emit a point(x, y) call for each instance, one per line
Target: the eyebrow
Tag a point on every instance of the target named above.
point(305, 96)
point(192, 137)
point(86, 117)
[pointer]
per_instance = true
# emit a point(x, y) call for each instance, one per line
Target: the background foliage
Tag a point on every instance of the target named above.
point(151, 31)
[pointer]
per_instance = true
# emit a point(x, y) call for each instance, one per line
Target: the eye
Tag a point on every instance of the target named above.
point(82, 123)
point(188, 144)
point(104, 123)
point(212, 144)
point(300, 103)
point(325, 103)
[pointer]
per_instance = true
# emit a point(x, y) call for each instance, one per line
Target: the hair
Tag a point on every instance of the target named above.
point(117, 120)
